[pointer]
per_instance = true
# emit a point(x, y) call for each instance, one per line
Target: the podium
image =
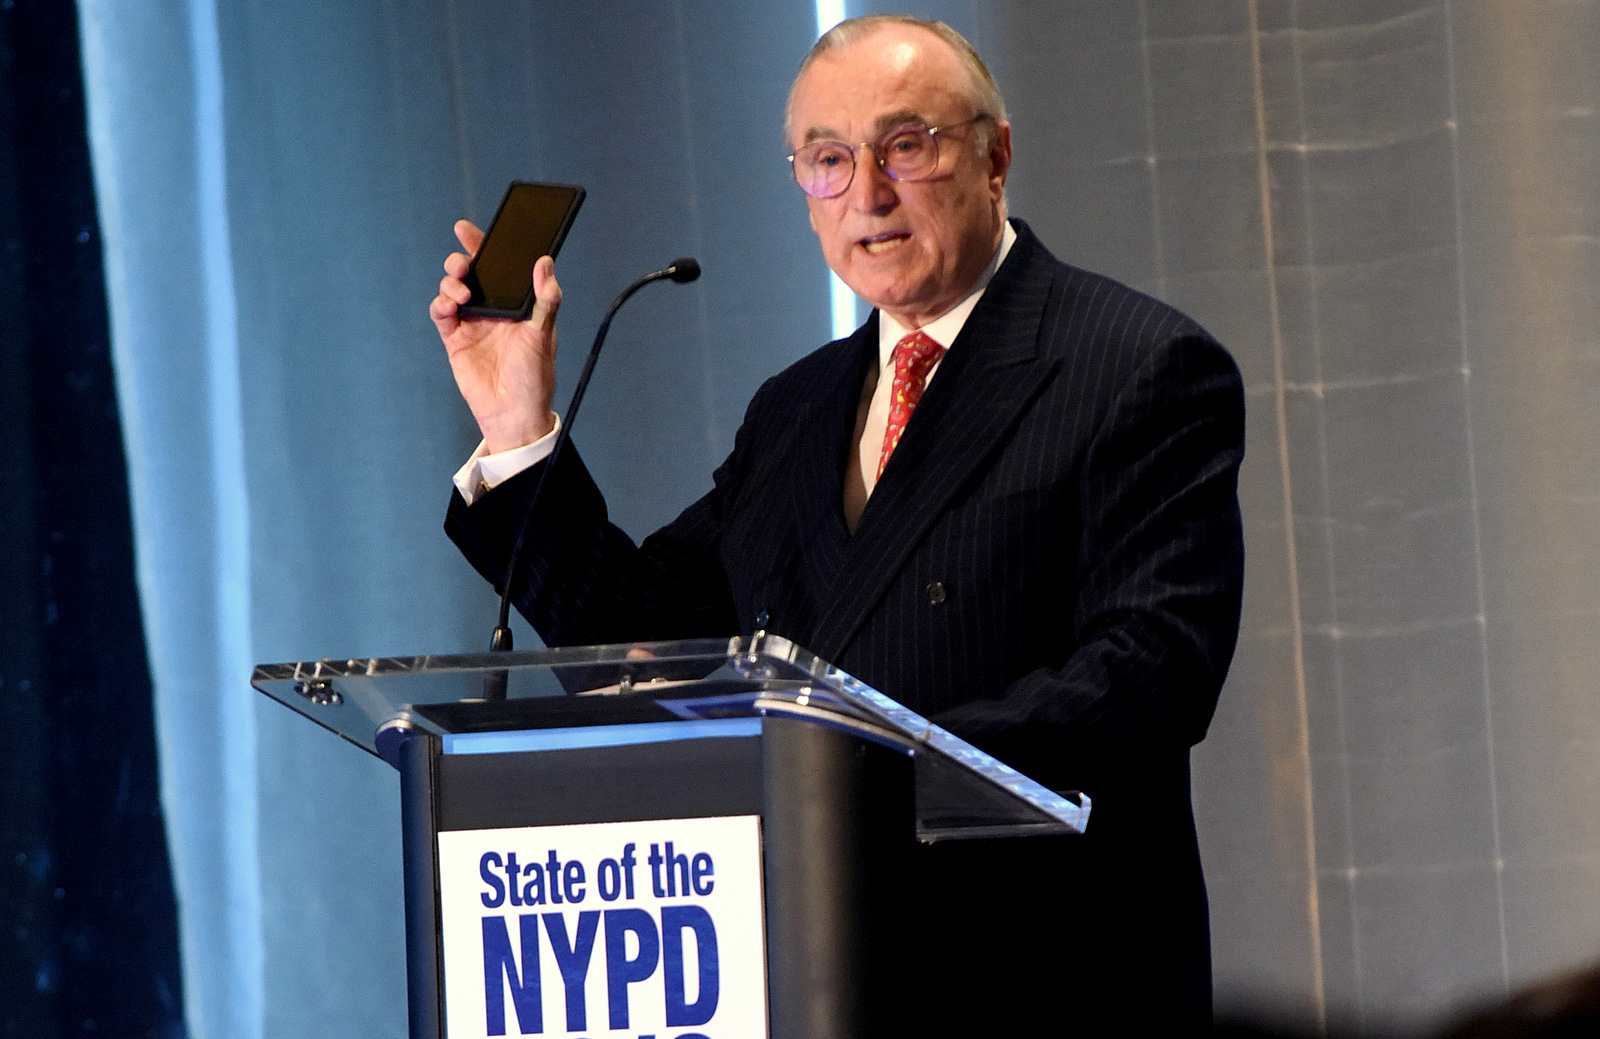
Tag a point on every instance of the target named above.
point(677, 840)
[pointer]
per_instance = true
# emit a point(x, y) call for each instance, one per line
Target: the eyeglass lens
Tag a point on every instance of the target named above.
point(825, 168)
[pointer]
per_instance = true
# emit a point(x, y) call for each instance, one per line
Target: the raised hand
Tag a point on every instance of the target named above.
point(504, 369)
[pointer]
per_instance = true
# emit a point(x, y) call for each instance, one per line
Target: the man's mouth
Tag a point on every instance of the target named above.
point(882, 243)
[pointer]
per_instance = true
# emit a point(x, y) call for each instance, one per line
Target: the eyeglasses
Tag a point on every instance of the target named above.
point(908, 152)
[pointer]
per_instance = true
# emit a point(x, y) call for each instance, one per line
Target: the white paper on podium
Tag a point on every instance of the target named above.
point(642, 929)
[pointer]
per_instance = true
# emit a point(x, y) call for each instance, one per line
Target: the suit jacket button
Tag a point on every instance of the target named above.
point(936, 592)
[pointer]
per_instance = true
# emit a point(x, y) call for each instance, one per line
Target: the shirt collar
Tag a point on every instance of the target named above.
point(944, 328)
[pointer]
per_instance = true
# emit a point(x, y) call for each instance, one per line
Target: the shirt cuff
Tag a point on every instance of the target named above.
point(484, 471)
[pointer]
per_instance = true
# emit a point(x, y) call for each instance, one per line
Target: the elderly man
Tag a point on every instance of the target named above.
point(1008, 500)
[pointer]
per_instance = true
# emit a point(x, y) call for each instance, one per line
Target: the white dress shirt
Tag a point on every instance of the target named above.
point(484, 471)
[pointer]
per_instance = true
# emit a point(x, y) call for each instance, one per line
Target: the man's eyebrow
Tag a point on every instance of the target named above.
point(900, 118)
point(884, 122)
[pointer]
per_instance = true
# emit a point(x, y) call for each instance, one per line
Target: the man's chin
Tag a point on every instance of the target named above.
point(883, 293)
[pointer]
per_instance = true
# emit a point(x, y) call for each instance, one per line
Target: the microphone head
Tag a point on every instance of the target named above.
point(683, 270)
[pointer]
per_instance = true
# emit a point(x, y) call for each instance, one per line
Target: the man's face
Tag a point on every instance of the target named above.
point(912, 249)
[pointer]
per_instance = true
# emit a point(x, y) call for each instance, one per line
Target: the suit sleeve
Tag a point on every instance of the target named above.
point(581, 580)
point(1159, 572)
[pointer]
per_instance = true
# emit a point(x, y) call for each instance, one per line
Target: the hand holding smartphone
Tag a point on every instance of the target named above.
point(532, 221)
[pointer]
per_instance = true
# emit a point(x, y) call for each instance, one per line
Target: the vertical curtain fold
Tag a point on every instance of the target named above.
point(156, 138)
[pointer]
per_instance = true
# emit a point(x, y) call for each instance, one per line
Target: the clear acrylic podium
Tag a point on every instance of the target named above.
point(844, 781)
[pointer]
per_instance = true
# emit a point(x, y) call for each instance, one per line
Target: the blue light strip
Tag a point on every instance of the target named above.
point(841, 301)
point(829, 14)
point(597, 736)
point(245, 1013)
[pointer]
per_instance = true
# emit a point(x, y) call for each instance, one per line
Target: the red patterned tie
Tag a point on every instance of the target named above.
point(913, 357)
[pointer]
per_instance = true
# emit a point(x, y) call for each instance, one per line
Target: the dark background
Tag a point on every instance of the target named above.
point(90, 945)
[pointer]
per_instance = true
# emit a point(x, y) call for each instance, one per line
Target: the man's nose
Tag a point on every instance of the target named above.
point(872, 190)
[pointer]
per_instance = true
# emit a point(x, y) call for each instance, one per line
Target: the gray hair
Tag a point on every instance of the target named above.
point(985, 92)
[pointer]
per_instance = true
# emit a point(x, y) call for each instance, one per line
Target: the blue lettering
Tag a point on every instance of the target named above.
point(553, 871)
point(655, 871)
point(497, 891)
point(621, 971)
point(573, 959)
point(703, 870)
point(572, 880)
point(499, 965)
point(677, 866)
point(533, 890)
point(513, 873)
point(628, 862)
point(674, 921)
point(610, 879)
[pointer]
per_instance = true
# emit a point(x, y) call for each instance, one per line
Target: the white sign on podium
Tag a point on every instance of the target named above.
point(633, 928)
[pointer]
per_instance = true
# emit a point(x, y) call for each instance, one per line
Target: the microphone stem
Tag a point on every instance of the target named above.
point(502, 633)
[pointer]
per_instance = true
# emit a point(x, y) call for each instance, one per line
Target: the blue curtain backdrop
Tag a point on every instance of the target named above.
point(1386, 208)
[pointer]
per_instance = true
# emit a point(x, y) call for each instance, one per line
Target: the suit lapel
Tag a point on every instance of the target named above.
point(983, 386)
point(823, 435)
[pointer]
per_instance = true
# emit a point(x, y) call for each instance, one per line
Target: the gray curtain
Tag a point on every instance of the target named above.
point(1387, 209)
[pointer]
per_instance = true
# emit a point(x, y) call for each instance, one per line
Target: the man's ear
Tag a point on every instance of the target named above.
point(999, 158)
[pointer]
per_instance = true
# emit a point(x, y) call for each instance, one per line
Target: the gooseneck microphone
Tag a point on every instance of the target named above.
point(682, 270)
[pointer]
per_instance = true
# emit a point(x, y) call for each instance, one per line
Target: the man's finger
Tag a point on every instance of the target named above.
point(443, 312)
point(469, 236)
point(454, 288)
point(546, 292)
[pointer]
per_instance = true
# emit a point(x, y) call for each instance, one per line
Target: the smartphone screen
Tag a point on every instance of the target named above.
point(532, 221)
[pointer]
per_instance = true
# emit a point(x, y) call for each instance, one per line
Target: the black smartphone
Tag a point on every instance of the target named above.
point(532, 221)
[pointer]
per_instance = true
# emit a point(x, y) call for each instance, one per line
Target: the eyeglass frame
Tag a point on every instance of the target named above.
point(877, 156)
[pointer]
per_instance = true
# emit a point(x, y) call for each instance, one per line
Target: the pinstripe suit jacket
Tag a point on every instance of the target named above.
point(1050, 565)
